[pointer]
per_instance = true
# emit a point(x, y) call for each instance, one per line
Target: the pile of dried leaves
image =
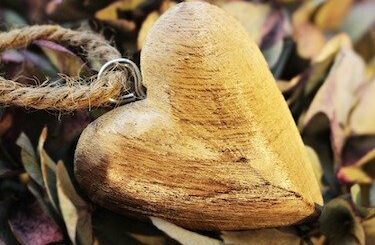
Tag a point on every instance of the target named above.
point(322, 54)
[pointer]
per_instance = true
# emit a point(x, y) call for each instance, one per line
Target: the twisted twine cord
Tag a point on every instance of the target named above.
point(75, 94)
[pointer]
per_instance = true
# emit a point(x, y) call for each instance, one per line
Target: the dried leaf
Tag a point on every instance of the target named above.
point(337, 96)
point(305, 84)
point(332, 47)
point(32, 226)
point(114, 229)
point(363, 116)
point(146, 26)
point(304, 12)
point(76, 213)
point(360, 18)
point(358, 150)
point(6, 121)
point(365, 46)
point(110, 13)
point(331, 15)
point(48, 167)
point(29, 159)
point(275, 28)
point(309, 39)
point(64, 60)
point(273, 54)
point(355, 192)
point(251, 15)
point(262, 237)
point(369, 229)
point(148, 240)
point(12, 19)
point(5, 171)
point(336, 213)
point(65, 10)
point(314, 160)
point(353, 174)
point(181, 235)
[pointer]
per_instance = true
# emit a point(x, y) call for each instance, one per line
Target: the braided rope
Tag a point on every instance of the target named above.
point(78, 93)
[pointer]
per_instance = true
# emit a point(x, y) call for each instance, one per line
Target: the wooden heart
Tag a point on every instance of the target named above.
point(213, 147)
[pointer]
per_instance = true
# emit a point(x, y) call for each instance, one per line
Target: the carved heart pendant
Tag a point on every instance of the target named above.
point(213, 147)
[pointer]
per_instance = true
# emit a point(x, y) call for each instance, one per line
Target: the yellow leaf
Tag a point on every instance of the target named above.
point(354, 174)
point(315, 163)
point(252, 16)
point(146, 26)
point(111, 11)
point(331, 15)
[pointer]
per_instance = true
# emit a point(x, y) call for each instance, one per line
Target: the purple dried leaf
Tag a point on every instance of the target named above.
point(31, 226)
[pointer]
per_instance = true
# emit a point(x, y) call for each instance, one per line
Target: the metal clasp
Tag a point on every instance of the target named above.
point(138, 90)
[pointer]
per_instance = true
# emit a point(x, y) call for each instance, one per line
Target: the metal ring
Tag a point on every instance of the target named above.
point(139, 91)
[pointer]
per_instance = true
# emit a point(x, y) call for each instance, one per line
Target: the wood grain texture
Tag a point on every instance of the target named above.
point(213, 147)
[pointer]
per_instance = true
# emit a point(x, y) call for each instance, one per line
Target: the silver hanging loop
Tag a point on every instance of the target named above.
point(139, 91)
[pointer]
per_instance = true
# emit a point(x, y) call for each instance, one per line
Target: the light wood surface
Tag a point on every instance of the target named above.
point(213, 147)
